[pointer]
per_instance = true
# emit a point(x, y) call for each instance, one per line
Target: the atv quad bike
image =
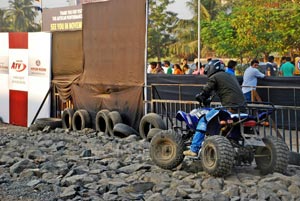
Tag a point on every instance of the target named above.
point(231, 139)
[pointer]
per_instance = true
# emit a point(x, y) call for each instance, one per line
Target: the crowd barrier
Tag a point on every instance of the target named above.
point(284, 121)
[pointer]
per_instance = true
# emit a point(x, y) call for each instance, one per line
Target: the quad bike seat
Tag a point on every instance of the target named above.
point(250, 123)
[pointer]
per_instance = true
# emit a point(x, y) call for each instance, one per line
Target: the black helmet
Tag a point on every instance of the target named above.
point(214, 66)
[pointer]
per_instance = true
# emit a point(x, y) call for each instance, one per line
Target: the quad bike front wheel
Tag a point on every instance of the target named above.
point(166, 149)
point(217, 156)
point(274, 157)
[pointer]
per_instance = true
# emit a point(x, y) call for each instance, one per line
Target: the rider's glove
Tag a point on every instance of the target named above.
point(206, 102)
point(199, 98)
point(203, 98)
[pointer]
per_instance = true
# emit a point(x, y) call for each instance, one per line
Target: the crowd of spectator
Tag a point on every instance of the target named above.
point(286, 67)
point(252, 73)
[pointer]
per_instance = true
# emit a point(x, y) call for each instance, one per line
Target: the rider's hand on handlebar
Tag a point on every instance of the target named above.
point(199, 98)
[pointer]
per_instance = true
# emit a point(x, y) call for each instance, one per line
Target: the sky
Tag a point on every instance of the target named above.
point(179, 6)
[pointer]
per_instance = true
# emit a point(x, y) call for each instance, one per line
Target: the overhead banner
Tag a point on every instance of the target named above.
point(62, 19)
point(24, 76)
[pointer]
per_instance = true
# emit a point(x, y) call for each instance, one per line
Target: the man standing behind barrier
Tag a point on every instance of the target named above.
point(231, 67)
point(229, 92)
point(250, 81)
point(271, 68)
point(287, 69)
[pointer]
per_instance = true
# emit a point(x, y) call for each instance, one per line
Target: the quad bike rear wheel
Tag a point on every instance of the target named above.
point(274, 157)
point(217, 156)
point(166, 149)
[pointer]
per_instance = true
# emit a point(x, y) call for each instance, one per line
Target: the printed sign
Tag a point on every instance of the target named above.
point(39, 61)
point(18, 69)
point(62, 19)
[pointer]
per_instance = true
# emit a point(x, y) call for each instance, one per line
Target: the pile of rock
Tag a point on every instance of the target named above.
point(88, 165)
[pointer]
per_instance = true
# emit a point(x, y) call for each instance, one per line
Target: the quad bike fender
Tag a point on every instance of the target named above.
point(189, 119)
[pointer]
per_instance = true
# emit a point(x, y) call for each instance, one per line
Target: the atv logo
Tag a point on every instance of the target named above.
point(19, 66)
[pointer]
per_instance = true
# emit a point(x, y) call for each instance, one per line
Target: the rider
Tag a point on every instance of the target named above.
point(228, 90)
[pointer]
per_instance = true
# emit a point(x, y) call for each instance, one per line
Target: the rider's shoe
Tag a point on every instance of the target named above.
point(189, 153)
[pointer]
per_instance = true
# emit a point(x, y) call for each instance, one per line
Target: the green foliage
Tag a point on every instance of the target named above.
point(4, 23)
point(253, 29)
point(186, 32)
point(19, 17)
point(160, 25)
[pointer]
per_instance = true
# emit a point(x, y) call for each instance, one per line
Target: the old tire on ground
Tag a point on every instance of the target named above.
point(101, 123)
point(151, 120)
point(41, 123)
point(166, 149)
point(274, 157)
point(81, 119)
point(217, 156)
point(152, 132)
point(67, 117)
point(122, 130)
point(114, 117)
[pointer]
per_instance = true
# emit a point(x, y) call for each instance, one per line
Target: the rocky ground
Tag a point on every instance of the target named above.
point(65, 165)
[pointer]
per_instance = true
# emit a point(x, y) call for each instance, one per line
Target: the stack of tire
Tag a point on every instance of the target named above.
point(111, 123)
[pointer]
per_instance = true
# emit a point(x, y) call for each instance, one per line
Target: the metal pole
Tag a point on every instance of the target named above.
point(145, 58)
point(199, 43)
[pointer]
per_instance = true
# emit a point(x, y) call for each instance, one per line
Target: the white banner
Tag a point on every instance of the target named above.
point(4, 90)
point(39, 48)
point(39, 51)
point(4, 53)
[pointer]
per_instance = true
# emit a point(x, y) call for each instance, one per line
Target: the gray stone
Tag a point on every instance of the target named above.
point(117, 169)
point(20, 166)
point(86, 153)
point(212, 184)
point(156, 197)
point(211, 196)
point(4, 178)
point(34, 182)
point(231, 191)
point(133, 168)
point(6, 160)
point(68, 192)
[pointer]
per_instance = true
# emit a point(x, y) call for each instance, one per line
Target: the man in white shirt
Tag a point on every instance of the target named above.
point(250, 80)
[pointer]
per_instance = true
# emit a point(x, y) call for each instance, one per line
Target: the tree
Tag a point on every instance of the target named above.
point(22, 14)
point(186, 31)
point(253, 29)
point(160, 25)
point(4, 24)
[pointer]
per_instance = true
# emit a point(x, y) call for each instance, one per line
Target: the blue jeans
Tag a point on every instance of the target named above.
point(199, 136)
point(247, 96)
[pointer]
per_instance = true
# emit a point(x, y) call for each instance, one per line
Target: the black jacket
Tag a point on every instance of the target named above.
point(226, 87)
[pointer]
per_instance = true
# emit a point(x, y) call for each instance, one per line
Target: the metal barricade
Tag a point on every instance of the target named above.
point(283, 122)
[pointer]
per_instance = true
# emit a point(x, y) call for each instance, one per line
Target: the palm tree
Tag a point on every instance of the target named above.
point(4, 25)
point(22, 14)
point(186, 31)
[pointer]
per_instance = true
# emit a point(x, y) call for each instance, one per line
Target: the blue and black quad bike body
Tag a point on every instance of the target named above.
point(231, 138)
